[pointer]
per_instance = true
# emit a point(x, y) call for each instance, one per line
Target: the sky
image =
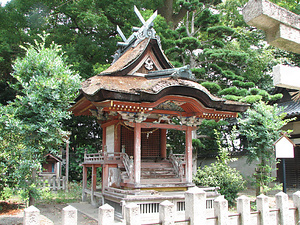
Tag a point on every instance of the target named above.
point(3, 2)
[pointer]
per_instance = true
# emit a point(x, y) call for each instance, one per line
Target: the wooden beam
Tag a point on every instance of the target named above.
point(109, 123)
point(189, 154)
point(84, 182)
point(104, 177)
point(163, 143)
point(117, 137)
point(103, 138)
point(93, 186)
point(137, 153)
point(159, 125)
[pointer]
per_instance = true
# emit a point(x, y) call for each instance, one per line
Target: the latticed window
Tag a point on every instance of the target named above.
point(150, 142)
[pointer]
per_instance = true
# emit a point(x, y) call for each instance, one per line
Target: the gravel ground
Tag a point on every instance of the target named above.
point(50, 214)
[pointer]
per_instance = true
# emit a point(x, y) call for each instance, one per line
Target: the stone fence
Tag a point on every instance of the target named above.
point(54, 183)
point(195, 213)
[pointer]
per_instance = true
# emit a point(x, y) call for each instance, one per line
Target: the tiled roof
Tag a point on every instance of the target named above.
point(292, 108)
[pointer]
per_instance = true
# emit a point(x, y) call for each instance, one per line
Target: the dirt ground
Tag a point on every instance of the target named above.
point(50, 214)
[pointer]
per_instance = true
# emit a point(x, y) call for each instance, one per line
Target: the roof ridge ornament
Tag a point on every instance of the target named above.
point(139, 34)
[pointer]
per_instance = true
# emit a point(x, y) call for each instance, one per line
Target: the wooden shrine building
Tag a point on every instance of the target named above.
point(136, 101)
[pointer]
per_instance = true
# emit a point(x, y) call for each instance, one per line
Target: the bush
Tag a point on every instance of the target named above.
point(211, 87)
point(220, 174)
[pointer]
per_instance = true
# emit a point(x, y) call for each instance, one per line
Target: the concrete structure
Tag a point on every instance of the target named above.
point(281, 26)
point(31, 216)
point(69, 215)
point(283, 212)
point(286, 77)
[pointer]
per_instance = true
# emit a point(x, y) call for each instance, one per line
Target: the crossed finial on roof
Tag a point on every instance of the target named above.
point(140, 33)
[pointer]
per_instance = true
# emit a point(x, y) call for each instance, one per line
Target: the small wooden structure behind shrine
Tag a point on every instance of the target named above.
point(51, 166)
point(136, 100)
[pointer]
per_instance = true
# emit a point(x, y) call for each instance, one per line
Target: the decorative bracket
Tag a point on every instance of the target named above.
point(163, 117)
point(190, 121)
point(134, 117)
point(99, 113)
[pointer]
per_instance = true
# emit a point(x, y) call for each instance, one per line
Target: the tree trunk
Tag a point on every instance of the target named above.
point(30, 194)
point(166, 10)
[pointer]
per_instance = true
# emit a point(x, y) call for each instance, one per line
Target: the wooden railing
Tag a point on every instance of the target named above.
point(93, 157)
point(117, 157)
point(178, 160)
point(102, 156)
point(128, 164)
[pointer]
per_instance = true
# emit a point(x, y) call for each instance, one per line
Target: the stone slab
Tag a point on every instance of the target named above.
point(282, 27)
point(286, 76)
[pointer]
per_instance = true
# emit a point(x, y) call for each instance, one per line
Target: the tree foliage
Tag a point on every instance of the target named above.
point(46, 86)
point(262, 126)
point(220, 174)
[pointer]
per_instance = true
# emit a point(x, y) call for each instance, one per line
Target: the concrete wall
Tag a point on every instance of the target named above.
point(240, 164)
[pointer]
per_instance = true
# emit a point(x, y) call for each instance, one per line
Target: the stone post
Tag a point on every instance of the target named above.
point(243, 207)
point(132, 214)
point(106, 215)
point(221, 210)
point(282, 203)
point(262, 203)
point(195, 206)
point(296, 200)
point(166, 213)
point(69, 215)
point(31, 216)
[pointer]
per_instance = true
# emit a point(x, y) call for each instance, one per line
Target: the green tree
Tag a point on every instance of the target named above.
point(220, 174)
point(261, 127)
point(46, 86)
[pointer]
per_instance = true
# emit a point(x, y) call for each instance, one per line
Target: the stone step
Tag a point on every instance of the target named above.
point(160, 181)
point(156, 164)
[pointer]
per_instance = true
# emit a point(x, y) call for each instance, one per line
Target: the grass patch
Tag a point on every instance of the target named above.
point(73, 194)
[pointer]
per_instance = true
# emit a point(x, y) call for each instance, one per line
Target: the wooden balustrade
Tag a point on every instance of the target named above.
point(178, 161)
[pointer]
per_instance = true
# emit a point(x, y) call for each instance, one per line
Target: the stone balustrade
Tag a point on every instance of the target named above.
point(195, 213)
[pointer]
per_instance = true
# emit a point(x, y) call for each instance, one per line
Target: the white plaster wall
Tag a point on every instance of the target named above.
point(295, 126)
point(110, 138)
point(114, 177)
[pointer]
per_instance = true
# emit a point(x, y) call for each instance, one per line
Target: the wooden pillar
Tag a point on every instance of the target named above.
point(104, 177)
point(117, 136)
point(137, 153)
point(84, 183)
point(67, 163)
point(163, 143)
point(94, 183)
point(188, 154)
point(103, 138)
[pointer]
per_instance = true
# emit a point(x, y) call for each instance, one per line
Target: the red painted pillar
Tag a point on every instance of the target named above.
point(84, 182)
point(137, 153)
point(163, 143)
point(188, 154)
point(103, 138)
point(104, 177)
point(93, 186)
point(94, 177)
point(117, 136)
